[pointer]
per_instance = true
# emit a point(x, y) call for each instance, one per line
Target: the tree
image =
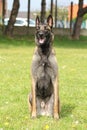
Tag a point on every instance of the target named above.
point(12, 20)
point(51, 8)
point(43, 10)
point(3, 10)
point(55, 13)
point(81, 12)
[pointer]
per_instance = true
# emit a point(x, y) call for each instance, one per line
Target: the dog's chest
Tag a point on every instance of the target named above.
point(42, 68)
point(44, 65)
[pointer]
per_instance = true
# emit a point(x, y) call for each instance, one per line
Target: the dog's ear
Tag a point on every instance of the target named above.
point(37, 21)
point(50, 21)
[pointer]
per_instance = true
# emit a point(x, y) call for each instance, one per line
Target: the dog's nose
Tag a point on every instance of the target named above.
point(41, 34)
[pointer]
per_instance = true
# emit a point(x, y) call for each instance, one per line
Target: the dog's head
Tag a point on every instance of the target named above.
point(44, 34)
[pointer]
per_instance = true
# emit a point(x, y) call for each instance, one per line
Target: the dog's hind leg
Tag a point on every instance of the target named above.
point(56, 99)
point(33, 107)
point(30, 101)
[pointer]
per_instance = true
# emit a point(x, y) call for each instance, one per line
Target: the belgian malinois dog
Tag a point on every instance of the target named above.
point(44, 98)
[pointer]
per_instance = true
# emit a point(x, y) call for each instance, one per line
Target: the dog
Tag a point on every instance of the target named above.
point(44, 97)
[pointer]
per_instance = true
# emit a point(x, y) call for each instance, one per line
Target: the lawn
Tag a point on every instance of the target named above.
point(15, 84)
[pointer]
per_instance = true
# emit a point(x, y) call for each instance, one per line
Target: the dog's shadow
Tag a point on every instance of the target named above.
point(66, 110)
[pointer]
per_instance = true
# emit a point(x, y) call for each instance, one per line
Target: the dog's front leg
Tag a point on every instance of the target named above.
point(33, 99)
point(56, 96)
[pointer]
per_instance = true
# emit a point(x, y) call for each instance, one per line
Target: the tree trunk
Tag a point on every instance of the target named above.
point(51, 8)
point(77, 26)
point(28, 16)
point(3, 13)
point(55, 13)
point(43, 10)
point(14, 12)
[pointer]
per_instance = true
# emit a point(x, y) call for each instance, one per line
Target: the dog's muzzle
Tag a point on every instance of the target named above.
point(41, 38)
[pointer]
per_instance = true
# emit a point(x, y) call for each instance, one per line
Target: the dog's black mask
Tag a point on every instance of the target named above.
point(44, 35)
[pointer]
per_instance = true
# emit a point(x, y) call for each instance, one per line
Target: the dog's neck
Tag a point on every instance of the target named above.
point(44, 50)
point(44, 53)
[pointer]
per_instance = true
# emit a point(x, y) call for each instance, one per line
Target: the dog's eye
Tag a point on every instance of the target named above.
point(47, 28)
point(37, 27)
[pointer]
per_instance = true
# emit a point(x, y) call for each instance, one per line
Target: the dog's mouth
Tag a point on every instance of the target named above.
point(41, 40)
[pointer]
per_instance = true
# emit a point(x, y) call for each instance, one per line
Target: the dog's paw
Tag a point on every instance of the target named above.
point(33, 115)
point(56, 116)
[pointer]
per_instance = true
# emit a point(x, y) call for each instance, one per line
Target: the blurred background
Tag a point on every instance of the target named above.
point(18, 16)
point(63, 12)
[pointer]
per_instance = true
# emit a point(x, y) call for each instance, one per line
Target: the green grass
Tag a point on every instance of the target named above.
point(15, 84)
